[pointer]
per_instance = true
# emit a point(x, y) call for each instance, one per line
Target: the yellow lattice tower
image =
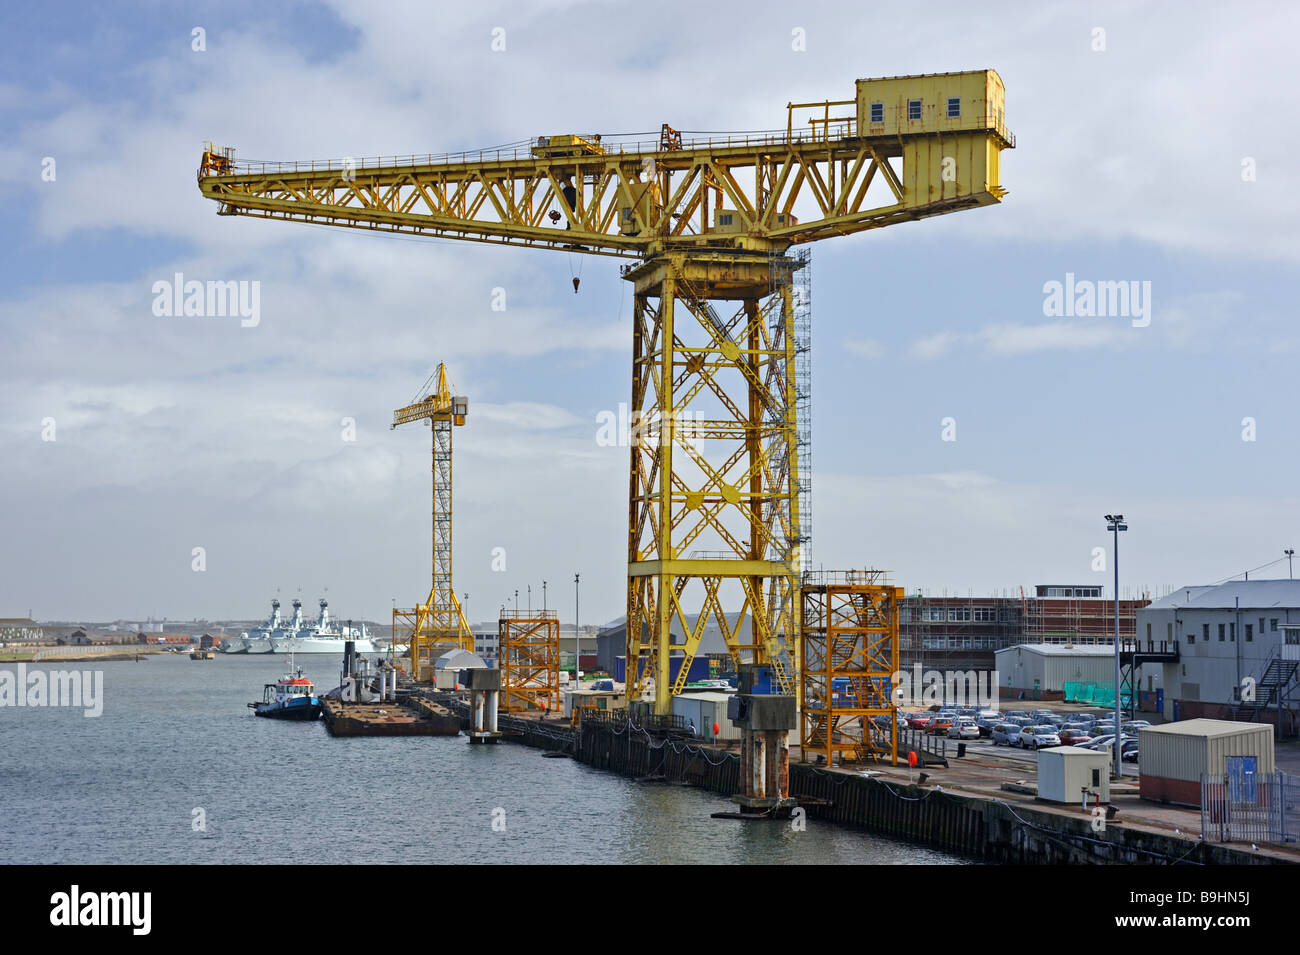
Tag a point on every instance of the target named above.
point(529, 654)
point(437, 625)
point(850, 657)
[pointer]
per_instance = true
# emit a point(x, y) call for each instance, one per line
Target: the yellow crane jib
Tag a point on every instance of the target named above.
point(902, 149)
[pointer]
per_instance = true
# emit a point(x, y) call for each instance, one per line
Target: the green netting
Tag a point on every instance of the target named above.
point(1092, 694)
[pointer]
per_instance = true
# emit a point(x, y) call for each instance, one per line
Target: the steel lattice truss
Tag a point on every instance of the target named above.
point(714, 517)
point(612, 198)
point(850, 658)
point(437, 625)
point(529, 654)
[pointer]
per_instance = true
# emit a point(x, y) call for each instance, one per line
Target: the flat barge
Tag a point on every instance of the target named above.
point(413, 718)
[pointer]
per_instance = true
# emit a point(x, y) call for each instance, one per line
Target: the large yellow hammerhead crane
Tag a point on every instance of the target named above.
point(719, 339)
point(438, 625)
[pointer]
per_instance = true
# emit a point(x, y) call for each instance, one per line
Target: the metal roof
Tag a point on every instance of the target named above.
point(1204, 727)
point(1253, 594)
point(1064, 650)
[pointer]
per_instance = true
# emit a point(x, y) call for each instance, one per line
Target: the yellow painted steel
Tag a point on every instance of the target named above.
point(714, 507)
point(437, 625)
point(850, 658)
point(528, 647)
point(713, 510)
point(629, 197)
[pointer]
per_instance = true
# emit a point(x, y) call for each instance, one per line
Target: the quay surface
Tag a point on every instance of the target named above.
point(963, 809)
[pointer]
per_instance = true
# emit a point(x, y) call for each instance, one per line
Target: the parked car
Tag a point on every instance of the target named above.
point(1005, 734)
point(1128, 752)
point(1134, 725)
point(917, 721)
point(964, 728)
point(1108, 742)
point(986, 722)
point(1075, 737)
point(1075, 726)
point(1036, 737)
point(938, 725)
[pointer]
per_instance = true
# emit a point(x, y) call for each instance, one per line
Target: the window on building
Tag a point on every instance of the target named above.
point(1272, 625)
point(1169, 632)
point(877, 112)
point(1148, 631)
point(1191, 637)
point(1232, 632)
point(1221, 629)
point(913, 109)
point(1250, 632)
point(1205, 632)
point(954, 107)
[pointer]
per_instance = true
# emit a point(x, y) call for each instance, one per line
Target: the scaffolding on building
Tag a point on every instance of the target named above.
point(529, 654)
point(849, 650)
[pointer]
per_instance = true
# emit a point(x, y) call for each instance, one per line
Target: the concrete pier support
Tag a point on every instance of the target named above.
point(485, 700)
point(765, 720)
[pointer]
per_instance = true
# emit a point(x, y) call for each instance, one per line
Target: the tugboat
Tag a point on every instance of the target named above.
point(292, 697)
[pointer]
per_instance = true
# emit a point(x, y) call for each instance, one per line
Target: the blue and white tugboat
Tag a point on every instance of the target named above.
point(292, 697)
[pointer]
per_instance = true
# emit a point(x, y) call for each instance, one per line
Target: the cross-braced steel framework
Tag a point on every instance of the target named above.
point(437, 625)
point(529, 651)
point(850, 656)
point(714, 507)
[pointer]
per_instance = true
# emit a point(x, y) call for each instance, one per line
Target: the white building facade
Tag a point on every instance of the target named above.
point(1239, 650)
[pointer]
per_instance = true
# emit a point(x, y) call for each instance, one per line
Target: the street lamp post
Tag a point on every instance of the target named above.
point(577, 634)
point(1115, 524)
point(1290, 552)
point(543, 596)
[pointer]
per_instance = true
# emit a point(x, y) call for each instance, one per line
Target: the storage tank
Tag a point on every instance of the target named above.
point(1172, 757)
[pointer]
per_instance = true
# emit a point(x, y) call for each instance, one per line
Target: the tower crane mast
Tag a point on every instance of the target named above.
point(715, 473)
point(439, 623)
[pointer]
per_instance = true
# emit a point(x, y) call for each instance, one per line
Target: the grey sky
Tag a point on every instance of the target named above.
point(180, 433)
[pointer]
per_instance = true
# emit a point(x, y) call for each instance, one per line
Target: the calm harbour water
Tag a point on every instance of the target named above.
point(175, 736)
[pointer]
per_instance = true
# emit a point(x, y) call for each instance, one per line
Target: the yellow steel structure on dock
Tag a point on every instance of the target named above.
point(528, 648)
point(437, 625)
point(714, 517)
point(850, 657)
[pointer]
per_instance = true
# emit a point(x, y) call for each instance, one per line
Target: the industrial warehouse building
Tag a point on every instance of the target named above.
point(1239, 651)
point(1039, 671)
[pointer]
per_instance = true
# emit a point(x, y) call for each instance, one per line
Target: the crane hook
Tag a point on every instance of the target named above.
point(576, 282)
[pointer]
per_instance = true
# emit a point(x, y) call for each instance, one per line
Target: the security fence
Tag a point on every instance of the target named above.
point(1250, 807)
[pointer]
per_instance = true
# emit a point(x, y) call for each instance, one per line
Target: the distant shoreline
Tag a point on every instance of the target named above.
point(25, 656)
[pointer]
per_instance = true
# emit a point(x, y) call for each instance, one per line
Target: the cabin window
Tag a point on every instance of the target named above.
point(724, 220)
point(954, 107)
point(913, 109)
point(877, 112)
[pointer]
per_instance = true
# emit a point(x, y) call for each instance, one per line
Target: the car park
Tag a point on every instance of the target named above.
point(1036, 737)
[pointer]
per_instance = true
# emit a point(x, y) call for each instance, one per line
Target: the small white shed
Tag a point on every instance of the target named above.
point(1065, 772)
